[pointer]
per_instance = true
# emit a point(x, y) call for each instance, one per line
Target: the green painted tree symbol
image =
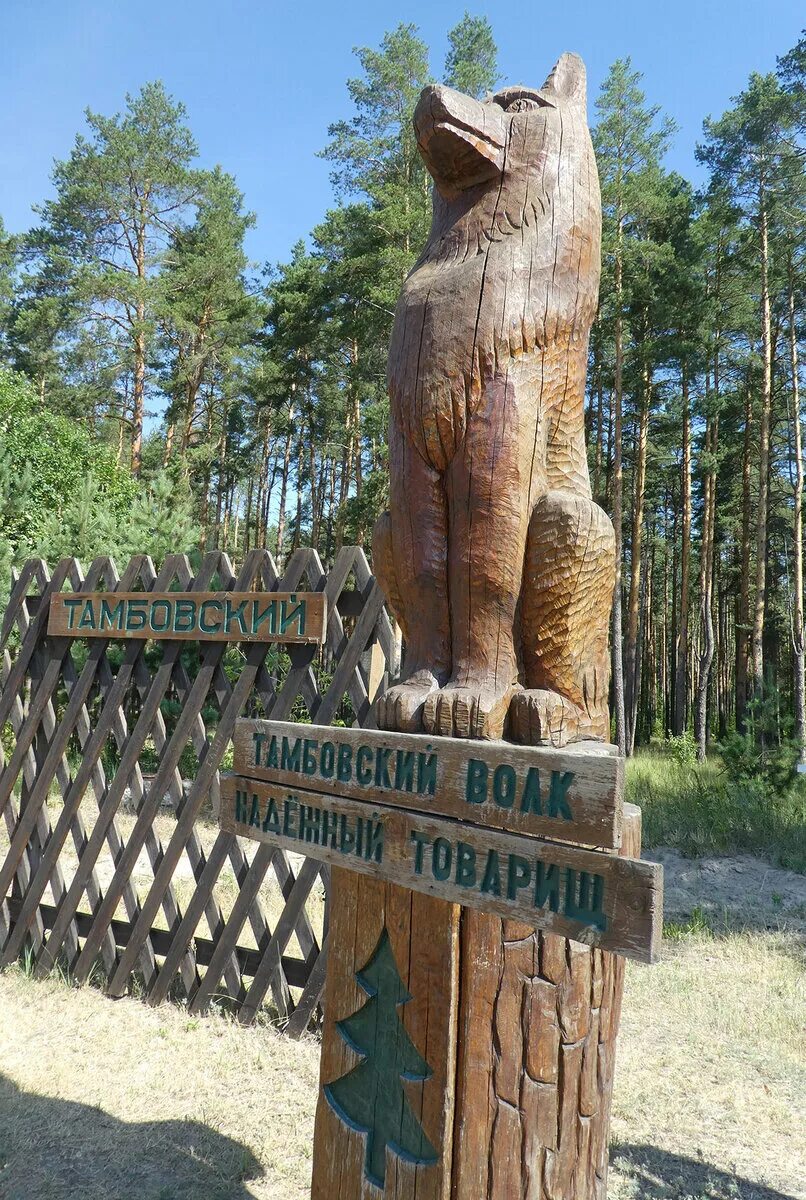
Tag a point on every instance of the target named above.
point(370, 1098)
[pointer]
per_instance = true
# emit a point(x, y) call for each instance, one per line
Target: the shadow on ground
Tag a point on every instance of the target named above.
point(54, 1149)
point(656, 1174)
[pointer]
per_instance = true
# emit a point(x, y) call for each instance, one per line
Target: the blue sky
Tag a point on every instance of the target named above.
point(262, 80)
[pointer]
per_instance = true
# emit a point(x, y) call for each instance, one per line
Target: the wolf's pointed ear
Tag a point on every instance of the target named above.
point(567, 79)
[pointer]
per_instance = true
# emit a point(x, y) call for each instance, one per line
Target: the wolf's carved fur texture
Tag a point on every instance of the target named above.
point(495, 559)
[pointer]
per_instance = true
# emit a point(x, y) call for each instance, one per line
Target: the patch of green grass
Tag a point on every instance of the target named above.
point(699, 923)
point(697, 809)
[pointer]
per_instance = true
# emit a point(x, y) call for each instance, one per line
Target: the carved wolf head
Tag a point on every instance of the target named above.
point(506, 162)
point(513, 257)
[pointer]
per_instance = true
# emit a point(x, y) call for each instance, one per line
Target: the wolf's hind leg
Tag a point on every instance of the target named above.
point(409, 555)
point(568, 577)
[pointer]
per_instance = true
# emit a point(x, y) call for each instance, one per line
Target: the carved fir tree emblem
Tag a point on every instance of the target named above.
point(371, 1098)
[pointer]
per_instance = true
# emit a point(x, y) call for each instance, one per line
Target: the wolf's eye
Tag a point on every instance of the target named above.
point(522, 104)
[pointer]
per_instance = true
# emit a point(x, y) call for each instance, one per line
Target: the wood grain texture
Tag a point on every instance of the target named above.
point(191, 616)
point(573, 795)
point(538, 1022)
point(494, 558)
point(593, 896)
point(424, 937)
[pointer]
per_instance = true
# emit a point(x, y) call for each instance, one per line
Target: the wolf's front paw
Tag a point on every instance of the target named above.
point(538, 717)
point(401, 707)
point(468, 711)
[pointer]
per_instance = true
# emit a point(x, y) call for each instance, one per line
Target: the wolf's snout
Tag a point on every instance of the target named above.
point(461, 140)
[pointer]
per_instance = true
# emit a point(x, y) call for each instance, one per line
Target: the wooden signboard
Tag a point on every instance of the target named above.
point(196, 616)
point(574, 794)
point(593, 897)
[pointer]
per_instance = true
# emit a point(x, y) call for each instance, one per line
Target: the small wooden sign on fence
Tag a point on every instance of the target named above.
point(196, 616)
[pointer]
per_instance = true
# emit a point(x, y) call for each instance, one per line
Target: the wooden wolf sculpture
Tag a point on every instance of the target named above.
point(495, 560)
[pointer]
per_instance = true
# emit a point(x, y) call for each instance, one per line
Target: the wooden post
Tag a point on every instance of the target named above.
point(539, 1017)
point(519, 1028)
point(424, 938)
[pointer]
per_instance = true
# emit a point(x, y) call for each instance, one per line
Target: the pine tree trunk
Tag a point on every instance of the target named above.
point(706, 590)
point(797, 529)
point(138, 396)
point(763, 465)
point(284, 490)
point(297, 539)
point(681, 655)
point(742, 619)
point(617, 661)
point(597, 462)
point(139, 347)
point(631, 651)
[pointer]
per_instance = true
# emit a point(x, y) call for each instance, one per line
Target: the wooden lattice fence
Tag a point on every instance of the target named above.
point(104, 870)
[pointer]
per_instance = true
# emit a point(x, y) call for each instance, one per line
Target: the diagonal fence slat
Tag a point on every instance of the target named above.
point(102, 863)
point(69, 819)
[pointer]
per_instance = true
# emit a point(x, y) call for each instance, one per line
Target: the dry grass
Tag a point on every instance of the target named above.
point(117, 1101)
point(711, 1081)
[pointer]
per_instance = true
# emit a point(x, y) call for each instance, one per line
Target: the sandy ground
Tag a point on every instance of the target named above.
point(736, 890)
point(103, 1100)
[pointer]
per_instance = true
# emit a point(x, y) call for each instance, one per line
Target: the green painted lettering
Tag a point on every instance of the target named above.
point(420, 840)
point(344, 764)
point(346, 835)
point(558, 790)
point(441, 858)
point(547, 886)
point(111, 618)
point(71, 606)
point(161, 626)
point(584, 894)
point(184, 616)
point(87, 617)
point(504, 781)
point(254, 816)
point(209, 626)
point(310, 819)
point(491, 882)
point(363, 770)
point(381, 764)
point(291, 760)
point(271, 821)
point(327, 760)
point(404, 770)
point(330, 828)
point(135, 615)
point(530, 800)
point(309, 756)
point(287, 618)
point(518, 874)
point(374, 841)
point(269, 614)
point(465, 865)
point(234, 614)
point(426, 774)
point(258, 738)
point(476, 786)
point(289, 809)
